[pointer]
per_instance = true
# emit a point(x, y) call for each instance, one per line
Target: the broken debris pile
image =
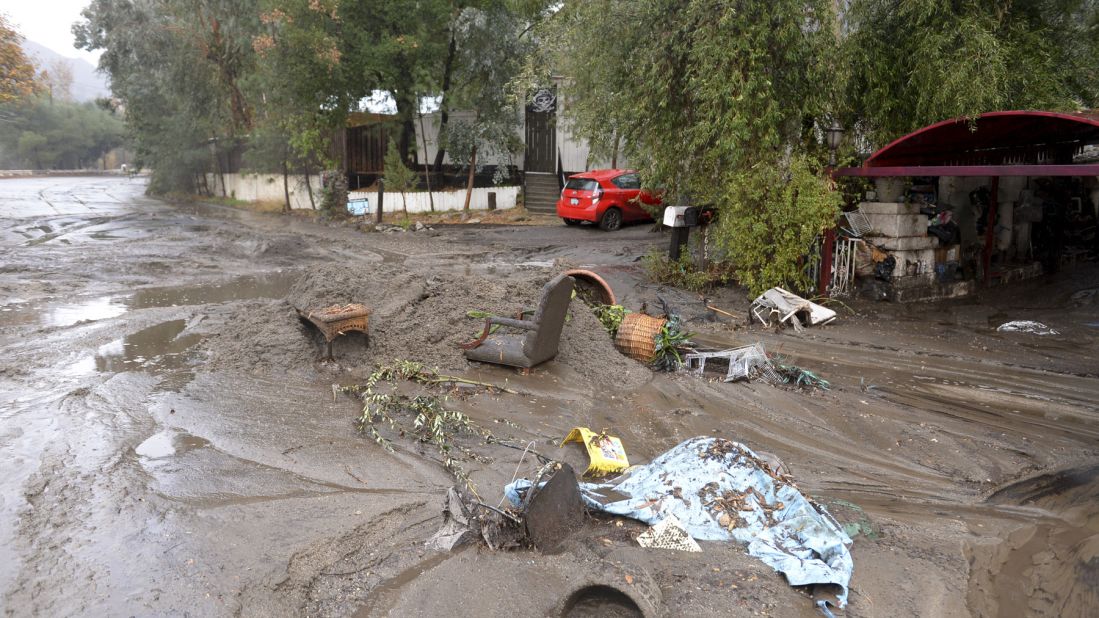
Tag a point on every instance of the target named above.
point(543, 519)
point(777, 307)
point(721, 490)
point(752, 362)
point(1027, 326)
point(745, 362)
point(466, 519)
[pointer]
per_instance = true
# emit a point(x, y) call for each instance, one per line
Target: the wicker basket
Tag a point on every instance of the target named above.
point(636, 336)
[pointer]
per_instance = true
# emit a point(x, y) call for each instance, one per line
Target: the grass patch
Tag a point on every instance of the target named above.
point(683, 273)
point(232, 202)
point(510, 216)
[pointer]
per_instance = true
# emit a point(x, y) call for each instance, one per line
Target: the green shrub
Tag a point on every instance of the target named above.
point(682, 273)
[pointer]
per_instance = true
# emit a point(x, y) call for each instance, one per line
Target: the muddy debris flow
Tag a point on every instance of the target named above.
point(420, 317)
point(170, 442)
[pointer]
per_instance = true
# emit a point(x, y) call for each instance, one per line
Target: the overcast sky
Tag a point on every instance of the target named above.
point(49, 22)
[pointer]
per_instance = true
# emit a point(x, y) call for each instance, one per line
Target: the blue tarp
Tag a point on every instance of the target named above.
point(707, 482)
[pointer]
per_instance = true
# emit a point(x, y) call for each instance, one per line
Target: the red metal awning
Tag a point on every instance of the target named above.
point(1011, 143)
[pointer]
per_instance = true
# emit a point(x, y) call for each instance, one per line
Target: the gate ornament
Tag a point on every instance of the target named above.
point(544, 101)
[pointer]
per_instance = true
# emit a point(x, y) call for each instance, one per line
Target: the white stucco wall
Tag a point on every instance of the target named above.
point(506, 197)
point(268, 187)
point(265, 187)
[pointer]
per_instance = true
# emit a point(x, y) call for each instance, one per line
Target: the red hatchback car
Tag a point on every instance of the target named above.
point(606, 197)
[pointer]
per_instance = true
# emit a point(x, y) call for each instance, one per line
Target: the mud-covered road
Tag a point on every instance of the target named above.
point(170, 446)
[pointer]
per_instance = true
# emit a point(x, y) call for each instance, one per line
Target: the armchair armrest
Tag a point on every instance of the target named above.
point(520, 324)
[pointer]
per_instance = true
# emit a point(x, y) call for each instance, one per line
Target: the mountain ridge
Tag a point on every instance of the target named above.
point(88, 83)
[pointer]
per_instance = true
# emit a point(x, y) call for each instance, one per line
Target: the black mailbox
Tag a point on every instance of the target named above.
point(690, 216)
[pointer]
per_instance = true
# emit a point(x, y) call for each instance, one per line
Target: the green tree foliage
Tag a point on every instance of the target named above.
point(720, 102)
point(51, 134)
point(399, 47)
point(398, 176)
point(179, 68)
point(491, 41)
point(916, 62)
point(301, 86)
point(203, 79)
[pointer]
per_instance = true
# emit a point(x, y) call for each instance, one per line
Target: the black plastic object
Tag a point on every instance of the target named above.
point(555, 511)
point(690, 216)
point(883, 270)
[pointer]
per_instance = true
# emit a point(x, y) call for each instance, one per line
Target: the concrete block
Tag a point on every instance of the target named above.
point(933, 291)
point(898, 225)
point(889, 208)
point(914, 263)
point(904, 243)
point(913, 281)
point(890, 189)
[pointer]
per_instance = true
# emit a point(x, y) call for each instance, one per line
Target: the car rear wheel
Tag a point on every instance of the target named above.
point(612, 220)
point(572, 222)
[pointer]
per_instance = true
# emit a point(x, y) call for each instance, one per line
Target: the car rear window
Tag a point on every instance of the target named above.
point(627, 181)
point(581, 184)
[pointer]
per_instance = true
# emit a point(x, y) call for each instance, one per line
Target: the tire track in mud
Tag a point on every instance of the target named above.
point(800, 429)
point(1018, 420)
point(74, 228)
point(981, 392)
point(339, 573)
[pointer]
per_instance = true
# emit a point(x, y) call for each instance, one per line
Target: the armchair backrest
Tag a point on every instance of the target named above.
point(541, 345)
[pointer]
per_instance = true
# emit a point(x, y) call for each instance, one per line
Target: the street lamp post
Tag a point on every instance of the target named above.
point(835, 136)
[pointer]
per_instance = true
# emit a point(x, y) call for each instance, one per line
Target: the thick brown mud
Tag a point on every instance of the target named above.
point(171, 445)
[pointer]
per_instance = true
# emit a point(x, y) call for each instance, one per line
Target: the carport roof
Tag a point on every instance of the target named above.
point(1009, 143)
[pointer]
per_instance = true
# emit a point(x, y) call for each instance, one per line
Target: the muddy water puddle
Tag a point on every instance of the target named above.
point(169, 443)
point(159, 350)
point(475, 265)
point(69, 313)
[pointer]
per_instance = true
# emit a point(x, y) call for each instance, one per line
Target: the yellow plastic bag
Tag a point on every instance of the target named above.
point(607, 454)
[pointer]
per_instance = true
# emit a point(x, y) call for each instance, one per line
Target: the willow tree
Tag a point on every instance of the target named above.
point(179, 67)
point(720, 102)
point(914, 62)
point(300, 88)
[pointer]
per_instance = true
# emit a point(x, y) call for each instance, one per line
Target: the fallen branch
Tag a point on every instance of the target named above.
point(723, 312)
point(440, 379)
